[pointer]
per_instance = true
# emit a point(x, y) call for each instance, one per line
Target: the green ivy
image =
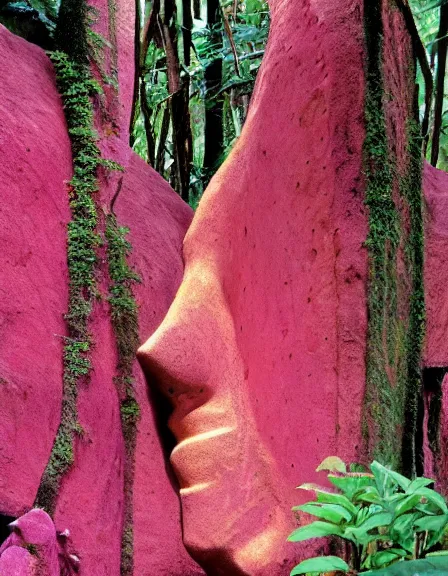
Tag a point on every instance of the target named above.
point(125, 323)
point(76, 88)
point(384, 401)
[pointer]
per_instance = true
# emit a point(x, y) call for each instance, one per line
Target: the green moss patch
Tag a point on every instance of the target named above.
point(125, 324)
point(395, 329)
point(76, 88)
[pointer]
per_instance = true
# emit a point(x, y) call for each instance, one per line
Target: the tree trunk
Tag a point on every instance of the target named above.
point(214, 125)
point(442, 45)
point(179, 103)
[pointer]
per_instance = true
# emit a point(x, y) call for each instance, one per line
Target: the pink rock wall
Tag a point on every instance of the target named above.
point(36, 160)
point(35, 154)
point(435, 186)
point(263, 352)
point(263, 349)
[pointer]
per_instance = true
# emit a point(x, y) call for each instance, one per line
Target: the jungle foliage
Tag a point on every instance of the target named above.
point(379, 516)
point(197, 64)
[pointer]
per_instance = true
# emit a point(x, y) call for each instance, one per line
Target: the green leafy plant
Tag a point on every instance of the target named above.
point(381, 517)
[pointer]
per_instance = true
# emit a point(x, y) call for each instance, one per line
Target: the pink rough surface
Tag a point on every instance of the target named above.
point(36, 160)
point(435, 187)
point(116, 22)
point(34, 529)
point(91, 497)
point(17, 561)
point(436, 461)
point(158, 547)
point(263, 349)
point(442, 457)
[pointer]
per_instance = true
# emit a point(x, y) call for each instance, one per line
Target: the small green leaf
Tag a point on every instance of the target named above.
point(325, 497)
point(381, 559)
point(331, 512)
point(332, 464)
point(432, 523)
point(320, 564)
point(433, 497)
point(369, 494)
point(381, 472)
point(362, 537)
point(418, 483)
point(402, 531)
point(350, 485)
point(427, 567)
point(314, 530)
point(376, 520)
point(407, 504)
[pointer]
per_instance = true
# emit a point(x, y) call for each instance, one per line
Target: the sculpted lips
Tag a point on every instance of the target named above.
point(189, 357)
point(203, 421)
point(207, 438)
point(193, 459)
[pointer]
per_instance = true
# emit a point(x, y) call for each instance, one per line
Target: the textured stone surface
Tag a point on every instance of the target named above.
point(435, 186)
point(36, 161)
point(17, 561)
point(91, 497)
point(263, 350)
point(36, 531)
point(157, 258)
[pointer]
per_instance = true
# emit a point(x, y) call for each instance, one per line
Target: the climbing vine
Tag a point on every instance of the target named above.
point(125, 324)
point(76, 88)
point(411, 188)
point(382, 403)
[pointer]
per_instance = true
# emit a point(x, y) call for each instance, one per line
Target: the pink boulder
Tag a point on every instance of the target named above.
point(35, 531)
point(36, 164)
point(17, 561)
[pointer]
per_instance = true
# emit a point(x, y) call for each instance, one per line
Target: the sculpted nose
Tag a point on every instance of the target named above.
point(190, 357)
point(174, 359)
point(185, 353)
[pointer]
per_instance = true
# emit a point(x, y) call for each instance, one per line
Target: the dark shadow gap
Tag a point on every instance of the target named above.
point(432, 386)
point(5, 531)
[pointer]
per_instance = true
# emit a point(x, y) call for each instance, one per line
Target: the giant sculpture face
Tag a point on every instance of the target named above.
point(262, 352)
point(224, 471)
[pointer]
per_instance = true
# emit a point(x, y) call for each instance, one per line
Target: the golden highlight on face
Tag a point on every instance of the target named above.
point(228, 484)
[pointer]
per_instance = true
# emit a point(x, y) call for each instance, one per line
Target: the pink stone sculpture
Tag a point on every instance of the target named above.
point(33, 548)
point(36, 164)
point(263, 351)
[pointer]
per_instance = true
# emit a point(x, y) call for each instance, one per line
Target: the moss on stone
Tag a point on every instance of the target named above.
point(76, 88)
point(125, 324)
point(75, 83)
point(411, 189)
point(394, 341)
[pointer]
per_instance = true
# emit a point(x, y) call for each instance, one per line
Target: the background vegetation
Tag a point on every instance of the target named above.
point(197, 64)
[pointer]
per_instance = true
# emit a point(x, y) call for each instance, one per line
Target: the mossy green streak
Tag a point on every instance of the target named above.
point(125, 324)
point(394, 338)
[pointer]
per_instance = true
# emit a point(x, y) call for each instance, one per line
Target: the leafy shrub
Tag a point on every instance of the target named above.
point(380, 515)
